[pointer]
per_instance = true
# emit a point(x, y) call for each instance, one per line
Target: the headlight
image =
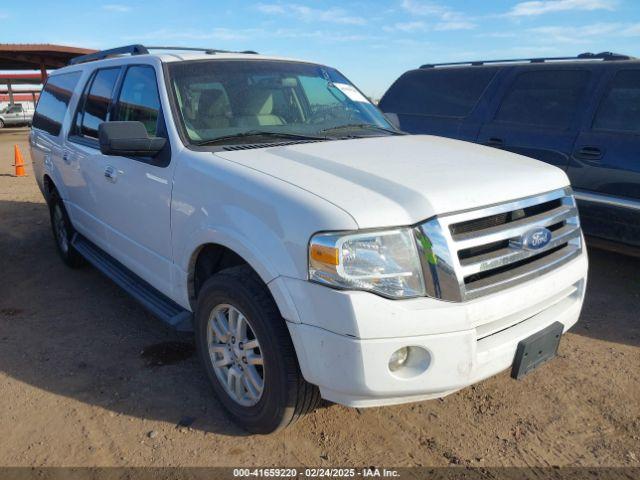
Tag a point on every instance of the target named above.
point(384, 262)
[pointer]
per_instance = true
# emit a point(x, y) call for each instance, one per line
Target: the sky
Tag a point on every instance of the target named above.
point(372, 42)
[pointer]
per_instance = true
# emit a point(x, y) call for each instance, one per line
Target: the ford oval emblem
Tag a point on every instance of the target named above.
point(535, 239)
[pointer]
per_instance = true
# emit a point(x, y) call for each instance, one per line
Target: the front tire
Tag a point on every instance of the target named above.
point(245, 347)
point(63, 232)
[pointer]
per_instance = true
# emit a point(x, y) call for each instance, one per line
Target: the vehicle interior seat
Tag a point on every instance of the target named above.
point(213, 110)
point(257, 109)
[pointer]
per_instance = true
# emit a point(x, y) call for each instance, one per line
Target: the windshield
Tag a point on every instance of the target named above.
point(228, 98)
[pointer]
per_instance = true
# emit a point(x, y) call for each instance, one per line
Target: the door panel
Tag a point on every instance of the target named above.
point(135, 193)
point(605, 166)
point(11, 117)
point(8, 119)
point(81, 158)
point(18, 116)
point(83, 166)
point(539, 113)
point(546, 145)
point(607, 163)
point(136, 200)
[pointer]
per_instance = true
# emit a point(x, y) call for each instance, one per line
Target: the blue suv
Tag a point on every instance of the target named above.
point(581, 114)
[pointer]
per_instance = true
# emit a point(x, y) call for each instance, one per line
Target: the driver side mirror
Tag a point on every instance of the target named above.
point(128, 139)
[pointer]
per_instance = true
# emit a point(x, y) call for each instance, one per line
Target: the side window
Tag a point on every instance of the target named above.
point(139, 99)
point(54, 101)
point(620, 107)
point(444, 92)
point(546, 98)
point(96, 104)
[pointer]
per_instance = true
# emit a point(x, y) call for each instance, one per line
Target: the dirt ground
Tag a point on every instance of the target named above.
point(75, 389)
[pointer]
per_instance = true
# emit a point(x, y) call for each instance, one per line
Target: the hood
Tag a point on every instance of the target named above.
point(402, 180)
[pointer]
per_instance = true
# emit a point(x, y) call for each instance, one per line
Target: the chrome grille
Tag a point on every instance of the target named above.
point(478, 252)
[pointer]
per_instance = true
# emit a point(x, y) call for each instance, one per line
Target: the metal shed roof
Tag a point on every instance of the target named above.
point(23, 56)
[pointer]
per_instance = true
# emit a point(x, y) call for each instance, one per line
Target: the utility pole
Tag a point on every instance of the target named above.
point(10, 90)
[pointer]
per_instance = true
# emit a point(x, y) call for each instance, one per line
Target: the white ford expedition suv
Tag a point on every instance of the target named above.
point(314, 250)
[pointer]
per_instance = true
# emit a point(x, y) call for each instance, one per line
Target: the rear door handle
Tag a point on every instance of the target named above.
point(495, 142)
point(588, 153)
point(110, 174)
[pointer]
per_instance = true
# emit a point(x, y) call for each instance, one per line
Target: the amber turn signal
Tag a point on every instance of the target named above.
point(324, 254)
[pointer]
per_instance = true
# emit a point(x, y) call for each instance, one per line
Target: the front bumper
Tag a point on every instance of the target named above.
point(344, 339)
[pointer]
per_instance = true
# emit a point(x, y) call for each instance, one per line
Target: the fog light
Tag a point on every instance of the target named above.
point(398, 358)
point(409, 362)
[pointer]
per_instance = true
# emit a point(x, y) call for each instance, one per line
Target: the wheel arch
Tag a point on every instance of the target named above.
point(207, 260)
point(49, 187)
point(211, 257)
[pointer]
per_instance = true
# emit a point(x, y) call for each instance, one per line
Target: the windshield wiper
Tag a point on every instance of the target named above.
point(258, 133)
point(363, 126)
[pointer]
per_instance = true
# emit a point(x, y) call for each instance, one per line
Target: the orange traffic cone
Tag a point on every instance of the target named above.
point(19, 162)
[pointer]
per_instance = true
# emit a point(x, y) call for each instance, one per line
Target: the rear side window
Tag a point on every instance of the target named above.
point(139, 99)
point(446, 92)
point(620, 107)
point(548, 98)
point(98, 99)
point(54, 101)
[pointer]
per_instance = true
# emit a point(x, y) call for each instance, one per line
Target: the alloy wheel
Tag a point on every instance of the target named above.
point(60, 228)
point(235, 354)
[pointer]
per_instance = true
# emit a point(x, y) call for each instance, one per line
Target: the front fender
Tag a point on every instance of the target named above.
point(264, 220)
point(266, 266)
point(233, 240)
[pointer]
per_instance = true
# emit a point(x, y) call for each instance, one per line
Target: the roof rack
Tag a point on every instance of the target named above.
point(138, 49)
point(605, 56)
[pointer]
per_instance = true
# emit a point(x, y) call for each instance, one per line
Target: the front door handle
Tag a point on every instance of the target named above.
point(110, 174)
point(588, 153)
point(495, 142)
point(65, 157)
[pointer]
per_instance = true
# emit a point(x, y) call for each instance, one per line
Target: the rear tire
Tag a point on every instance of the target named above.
point(1, 124)
point(285, 396)
point(63, 232)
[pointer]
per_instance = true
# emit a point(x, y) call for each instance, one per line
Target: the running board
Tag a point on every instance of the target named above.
point(156, 302)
